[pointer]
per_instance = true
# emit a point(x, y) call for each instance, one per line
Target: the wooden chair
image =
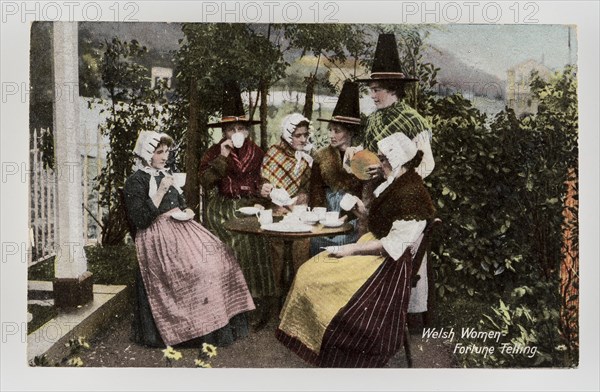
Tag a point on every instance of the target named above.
point(422, 250)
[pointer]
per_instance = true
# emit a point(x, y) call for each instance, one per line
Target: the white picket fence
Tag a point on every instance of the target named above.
point(42, 200)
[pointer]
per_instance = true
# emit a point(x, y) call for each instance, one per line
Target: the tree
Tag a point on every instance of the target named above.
point(324, 41)
point(132, 107)
point(210, 55)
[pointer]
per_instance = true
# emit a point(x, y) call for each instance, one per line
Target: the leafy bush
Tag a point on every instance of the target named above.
point(501, 192)
point(108, 264)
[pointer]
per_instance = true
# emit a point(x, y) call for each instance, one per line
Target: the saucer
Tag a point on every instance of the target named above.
point(248, 210)
point(332, 224)
point(181, 216)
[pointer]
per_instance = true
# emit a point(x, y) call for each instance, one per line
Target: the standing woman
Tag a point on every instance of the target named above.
point(192, 284)
point(347, 308)
point(392, 114)
point(329, 181)
point(230, 175)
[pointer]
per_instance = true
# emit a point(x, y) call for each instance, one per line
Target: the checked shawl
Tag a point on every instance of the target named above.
point(399, 117)
point(278, 169)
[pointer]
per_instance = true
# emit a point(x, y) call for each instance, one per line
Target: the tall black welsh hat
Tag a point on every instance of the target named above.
point(232, 108)
point(386, 63)
point(347, 109)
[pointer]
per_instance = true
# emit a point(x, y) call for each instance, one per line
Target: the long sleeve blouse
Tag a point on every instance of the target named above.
point(140, 208)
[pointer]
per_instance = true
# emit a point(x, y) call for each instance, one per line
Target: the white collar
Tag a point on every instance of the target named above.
point(383, 186)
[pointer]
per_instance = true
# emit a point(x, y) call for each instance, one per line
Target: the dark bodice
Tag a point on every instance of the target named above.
point(140, 208)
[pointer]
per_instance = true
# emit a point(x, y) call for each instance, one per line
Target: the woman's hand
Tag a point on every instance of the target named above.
point(359, 209)
point(343, 250)
point(302, 198)
point(375, 171)
point(266, 189)
point(226, 147)
point(162, 190)
point(165, 184)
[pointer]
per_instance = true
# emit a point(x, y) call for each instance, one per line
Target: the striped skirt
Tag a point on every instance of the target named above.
point(193, 283)
point(347, 312)
point(252, 252)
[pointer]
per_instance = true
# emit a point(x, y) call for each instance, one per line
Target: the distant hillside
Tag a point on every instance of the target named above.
point(455, 75)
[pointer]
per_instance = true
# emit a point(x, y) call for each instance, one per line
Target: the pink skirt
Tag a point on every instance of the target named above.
point(193, 281)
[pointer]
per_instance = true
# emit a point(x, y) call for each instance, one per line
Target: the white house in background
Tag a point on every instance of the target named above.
point(518, 93)
point(161, 73)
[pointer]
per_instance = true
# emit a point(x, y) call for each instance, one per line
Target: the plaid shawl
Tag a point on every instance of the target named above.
point(278, 169)
point(399, 117)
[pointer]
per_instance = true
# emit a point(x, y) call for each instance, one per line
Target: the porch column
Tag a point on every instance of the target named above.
point(72, 281)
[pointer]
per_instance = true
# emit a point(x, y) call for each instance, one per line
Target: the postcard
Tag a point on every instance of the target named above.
point(293, 186)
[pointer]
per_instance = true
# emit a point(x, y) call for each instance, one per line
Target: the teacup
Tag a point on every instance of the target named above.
point(179, 179)
point(265, 217)
point(310, 217)
point(348, 202)
point(320, 211)
point(332, 216)
point(299, 209)
point(280, 196)
point(238, 139)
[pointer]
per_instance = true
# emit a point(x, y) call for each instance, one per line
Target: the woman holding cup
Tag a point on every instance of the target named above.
point(331, 184)
point(230, 176)
point(183, 290)
point(286, 175)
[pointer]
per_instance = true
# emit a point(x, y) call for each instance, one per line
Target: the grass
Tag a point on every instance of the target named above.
point(461, 312)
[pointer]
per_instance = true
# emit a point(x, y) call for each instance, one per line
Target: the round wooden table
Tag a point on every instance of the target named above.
point(250, 225)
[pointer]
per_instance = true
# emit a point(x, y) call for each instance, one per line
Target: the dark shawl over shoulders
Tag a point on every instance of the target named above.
point(327, 172)
point(406, 199)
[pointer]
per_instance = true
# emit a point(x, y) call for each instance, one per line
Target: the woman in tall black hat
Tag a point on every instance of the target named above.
point(387, 83)
point(230, 173)
point(330, 182)
point(393, 115)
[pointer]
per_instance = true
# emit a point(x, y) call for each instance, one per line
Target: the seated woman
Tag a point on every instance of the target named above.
point(347, 308)
point(286, 166)
point(192, 284)
point(230, 175)
point(329, 181)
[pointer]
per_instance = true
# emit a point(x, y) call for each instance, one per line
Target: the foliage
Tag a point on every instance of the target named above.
point(500, 192)
point(133, 106)
point(90, 78)
point(330, 44)
point(206, 352)
point(101, 263)
point(41, 315)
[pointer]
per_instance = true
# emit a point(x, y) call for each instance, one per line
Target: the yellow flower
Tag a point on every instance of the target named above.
point(209, 349)
point(170, 353)
point(75, 362)
point(202, 364)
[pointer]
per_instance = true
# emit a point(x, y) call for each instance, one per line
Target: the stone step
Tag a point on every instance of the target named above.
point(86, 320)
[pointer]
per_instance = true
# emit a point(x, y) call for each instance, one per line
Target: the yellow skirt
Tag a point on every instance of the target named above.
point(324, 285)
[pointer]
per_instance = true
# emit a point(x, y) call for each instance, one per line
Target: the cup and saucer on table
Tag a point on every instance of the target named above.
point(332, 219)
